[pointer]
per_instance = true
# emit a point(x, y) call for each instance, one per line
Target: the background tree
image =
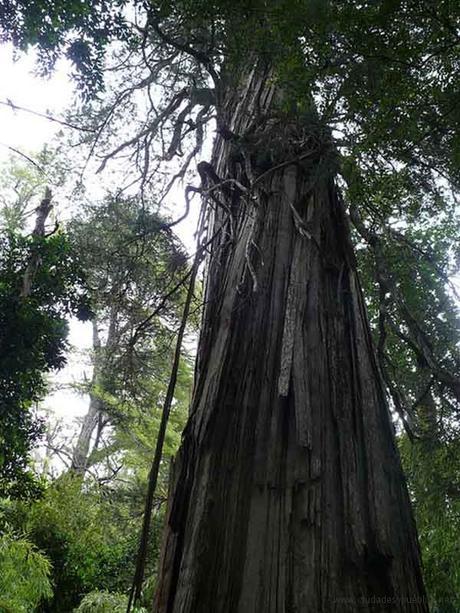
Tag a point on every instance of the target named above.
point(41, 283)
point(137, 269)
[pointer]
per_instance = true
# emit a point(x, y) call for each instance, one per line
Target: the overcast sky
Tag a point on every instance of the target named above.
point(19, 84)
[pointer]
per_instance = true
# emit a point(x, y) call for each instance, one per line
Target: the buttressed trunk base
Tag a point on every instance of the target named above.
point(287, 493)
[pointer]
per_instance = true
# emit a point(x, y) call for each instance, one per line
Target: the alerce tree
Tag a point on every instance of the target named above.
point(287, 493)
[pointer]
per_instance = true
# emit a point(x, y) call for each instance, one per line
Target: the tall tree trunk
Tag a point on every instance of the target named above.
point(287, 492)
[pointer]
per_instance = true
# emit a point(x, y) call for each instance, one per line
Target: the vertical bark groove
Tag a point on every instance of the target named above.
point(287, 493)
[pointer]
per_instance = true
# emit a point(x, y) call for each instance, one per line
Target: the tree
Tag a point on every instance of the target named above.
point(41, 283)
point(289, 440)
point(137, 272)
point(288, 492)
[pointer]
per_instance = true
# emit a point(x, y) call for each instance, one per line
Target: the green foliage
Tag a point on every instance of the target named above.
point(33, 332)
point(106, 602)
point(417, 307)
point(132, 261)
point(24, 575)
point(89, 535)
point(23, 183)
point(76, 529)
point(78, 30)
point(433, 472)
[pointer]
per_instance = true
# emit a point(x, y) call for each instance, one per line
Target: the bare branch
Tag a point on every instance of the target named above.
point(9, 103)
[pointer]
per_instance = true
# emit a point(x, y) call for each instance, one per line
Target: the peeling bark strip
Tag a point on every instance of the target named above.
point(287, 346)
point(287, 493)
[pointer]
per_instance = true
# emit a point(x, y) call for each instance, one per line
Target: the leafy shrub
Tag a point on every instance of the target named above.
point(76, 530)
point(24, 575)
point(105, 602)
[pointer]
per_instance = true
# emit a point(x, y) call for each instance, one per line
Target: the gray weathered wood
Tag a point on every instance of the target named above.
point(287, 492)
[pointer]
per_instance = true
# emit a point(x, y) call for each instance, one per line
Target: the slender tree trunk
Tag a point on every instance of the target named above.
point(287, 493)
point(95, 409)
point(80, 453)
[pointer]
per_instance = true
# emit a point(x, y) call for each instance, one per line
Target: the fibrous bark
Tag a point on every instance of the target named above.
point(287, 493)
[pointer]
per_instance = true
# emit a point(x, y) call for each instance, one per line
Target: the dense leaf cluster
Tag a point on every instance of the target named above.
point(33, 331)
point(80, 31)
point(86, 537)
point(24, 575)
